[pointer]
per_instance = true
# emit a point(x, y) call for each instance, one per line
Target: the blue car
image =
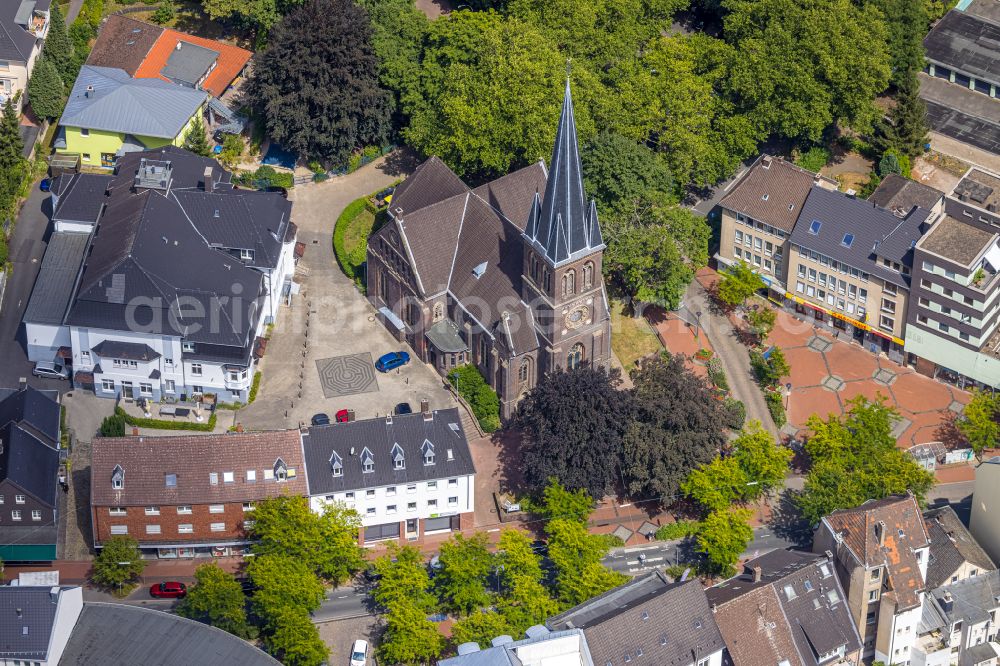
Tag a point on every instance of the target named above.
point(45, 185)
point(392, 360)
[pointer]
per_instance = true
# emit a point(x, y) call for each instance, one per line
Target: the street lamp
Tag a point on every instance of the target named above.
point(697, 325)
point(788, 394)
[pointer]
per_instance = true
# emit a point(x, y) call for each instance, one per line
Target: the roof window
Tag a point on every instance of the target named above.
point(367, 461)
point(848, 240)
point(814, 227)
point(118, 477)
point(170, 480)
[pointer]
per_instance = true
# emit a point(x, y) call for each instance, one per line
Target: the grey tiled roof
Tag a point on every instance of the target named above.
point(53, 290)
point(380, 437)
point(15, 42)
point(188, 63)
point(123, 43)
point(119, 103)
point(900, 194)
point(130, 351)
point(971, 601)
point(119, 634)
point(81, 196)
point(951, 546)
point(37, 613)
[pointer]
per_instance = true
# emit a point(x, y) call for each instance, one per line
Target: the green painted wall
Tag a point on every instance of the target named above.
point(28, 553)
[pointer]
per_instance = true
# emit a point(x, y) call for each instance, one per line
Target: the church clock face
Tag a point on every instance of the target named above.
point(577, 316)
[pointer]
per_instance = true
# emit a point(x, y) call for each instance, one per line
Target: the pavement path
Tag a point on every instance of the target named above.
point(73, 11)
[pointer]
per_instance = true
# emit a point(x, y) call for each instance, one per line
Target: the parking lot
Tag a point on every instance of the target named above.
point(340, 635)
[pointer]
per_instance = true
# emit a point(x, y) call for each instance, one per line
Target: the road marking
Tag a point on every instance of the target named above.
point(654, 559)
point(343, 596)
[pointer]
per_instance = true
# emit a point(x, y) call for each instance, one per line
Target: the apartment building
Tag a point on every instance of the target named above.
point(880, 552)
point(952, 326)
point(849, 267)
point(189, 496)
point(407, 475)
point(758, 215)
point(959, 623)
point(37, 623)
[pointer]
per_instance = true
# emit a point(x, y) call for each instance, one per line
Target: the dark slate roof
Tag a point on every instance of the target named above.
point(429, 183)
point(29, 463)
point(900, 195)
point(123, 43)
point(35, 410)
point(16, 43)
point(951, 546)
point(120, 634)
point(562, 226)
point(130, 351)
point(771, 191)
point(188, 63)
point(53, 290)
point(875, 231)
point(962, 114)
point(445, 338)
point(953, 239)
point(38, 614)
point(972, 598)
point(638, 614)
point(380, 436)
point(967, 43)
point(81, 197)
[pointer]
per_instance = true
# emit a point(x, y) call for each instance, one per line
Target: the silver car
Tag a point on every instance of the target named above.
point(50, 370)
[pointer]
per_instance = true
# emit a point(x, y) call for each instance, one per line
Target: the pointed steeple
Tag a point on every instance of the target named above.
point(564, 229)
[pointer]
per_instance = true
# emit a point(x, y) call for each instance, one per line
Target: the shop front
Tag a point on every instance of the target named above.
point(863, 333)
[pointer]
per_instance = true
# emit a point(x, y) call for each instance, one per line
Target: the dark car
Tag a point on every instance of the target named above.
point(168, 590)
point(320, 419)
point(45, 185)
point(391, 361)
point(404, 408)
point(342, 416)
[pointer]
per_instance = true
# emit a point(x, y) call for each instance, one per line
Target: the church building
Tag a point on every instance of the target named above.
point(505, 276)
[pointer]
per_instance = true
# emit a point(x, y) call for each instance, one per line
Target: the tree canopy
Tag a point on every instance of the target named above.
point(119, 563)
point(195, 139)
point(465, 565)
point(739, 283)
point(46, 91)
point(619, 173)
point(723, 537)
point(216, 599)
point(980, 422)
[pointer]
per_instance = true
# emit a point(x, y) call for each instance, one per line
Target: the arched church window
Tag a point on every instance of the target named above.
point(575, 357)
point(588, 275)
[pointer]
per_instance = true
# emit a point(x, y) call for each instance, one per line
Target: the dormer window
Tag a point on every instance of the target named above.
point(398, 459)
point(246, 255)
point(428, 450)
point(280, 470)
point(187, 347)
point(336, 464)
point(367, 461)
point(118, 478)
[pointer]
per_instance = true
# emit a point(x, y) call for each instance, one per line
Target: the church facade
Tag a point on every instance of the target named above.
point(505, 276)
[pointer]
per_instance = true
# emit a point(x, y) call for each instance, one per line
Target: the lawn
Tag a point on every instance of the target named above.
point(350, 238)
point(631, 338)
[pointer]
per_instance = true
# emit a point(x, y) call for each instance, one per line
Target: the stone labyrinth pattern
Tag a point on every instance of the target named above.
point(347, 375)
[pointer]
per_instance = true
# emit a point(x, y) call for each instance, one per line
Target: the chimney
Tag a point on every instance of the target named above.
point(22, 383)
point(428, 414)
point(54, 595)
point(208, 185)
point(179, 45)
point(947, 603)
point(89, 92)
point(880, 532)
point(425, 406)
point(758, 573)
point(766, 161)
point(388, 418)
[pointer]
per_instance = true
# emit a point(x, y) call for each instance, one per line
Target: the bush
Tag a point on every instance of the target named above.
point(682, 529)
point(484, 401)
point(736, 413)
point(776, 405)
point(814, 159)
point(232, 150)
point(159, 424)
point(717, 375)
point(254, 387)
point(350, 260)
point(265, 177)
point(114, 425)
point(770, 370)
point(164, 14)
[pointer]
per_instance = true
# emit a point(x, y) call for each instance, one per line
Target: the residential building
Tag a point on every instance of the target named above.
point(960, 82)
point(407, 475)
point(959, 623)
point(849, 265)
point(189, 496)
point(901, 195)
point(29, 474)
point(78, 200)
point(506, 276)
point(881, 551)
point(109, 114)
point(169, 293)
point(24, 24)
point(539, 647)
point(985, 504)
point(787, 607)
point(758, 214)
point(648, 620)
point(952, 328)
point(954, 554)
point(37, 625)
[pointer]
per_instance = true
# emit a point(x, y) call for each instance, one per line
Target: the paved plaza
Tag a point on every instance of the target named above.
point(347, 375)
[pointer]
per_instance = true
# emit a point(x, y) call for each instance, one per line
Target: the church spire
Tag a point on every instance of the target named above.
point(562, 227)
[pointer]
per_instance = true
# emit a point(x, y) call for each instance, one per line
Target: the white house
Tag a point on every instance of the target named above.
point(24, 24)
point(39, 622)
point(407, 475)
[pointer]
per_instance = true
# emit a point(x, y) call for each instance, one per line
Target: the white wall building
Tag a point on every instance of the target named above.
point(38, 624)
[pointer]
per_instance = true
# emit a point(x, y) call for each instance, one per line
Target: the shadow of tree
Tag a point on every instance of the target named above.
point(399, 162)
point(788, 523)
point(948, 433)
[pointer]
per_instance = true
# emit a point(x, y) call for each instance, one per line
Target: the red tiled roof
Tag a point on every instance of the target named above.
point(231, 60)
point(193, 458)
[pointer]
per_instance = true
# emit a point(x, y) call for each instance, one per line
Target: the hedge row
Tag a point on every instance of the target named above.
point(160, 424)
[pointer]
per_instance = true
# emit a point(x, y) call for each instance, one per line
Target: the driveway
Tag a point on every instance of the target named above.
point(330, 326)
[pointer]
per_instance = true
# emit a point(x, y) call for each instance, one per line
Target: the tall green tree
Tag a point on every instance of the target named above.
point(620, 173)
point(216, 599)
point(316, 87)
point(717, 484)
point(763, 461)
point(118, 564)
point(399, 31)
point(739, 283)
point(723, 537)
point(327, 543)
point(906, 25)
point(906, 129)
point(258, 16)
point(515, 557)
point(402, 578)
point(409, 638)
point(283, 581)
point(462, 580)
point(576, 555)
point(559, 502)
point(46, 92)
point(195, 139)
point(480, 627)
point(980, 422)
point(12, 163)
point(58, 49)
point(525, 602)
point(294, 639)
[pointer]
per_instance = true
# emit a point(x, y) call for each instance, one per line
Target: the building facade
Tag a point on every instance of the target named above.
point(40, 621)
point(985, 504)
point(407, 476)
point(190, 496)
point(506, 276)
point(24, 24)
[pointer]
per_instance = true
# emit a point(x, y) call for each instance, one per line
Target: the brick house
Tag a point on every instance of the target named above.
point(506, 276)
point(187, 496)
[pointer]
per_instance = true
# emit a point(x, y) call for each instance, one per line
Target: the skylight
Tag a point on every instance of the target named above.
point(848, 240)
point(814, 227)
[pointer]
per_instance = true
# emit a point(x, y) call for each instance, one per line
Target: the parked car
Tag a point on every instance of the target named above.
point(45, 185)
point(320, 419)
point(342, 416)
point(391, 361)
point(404, 408)
point(359, 653)
point(168, 590)
point(50, 370)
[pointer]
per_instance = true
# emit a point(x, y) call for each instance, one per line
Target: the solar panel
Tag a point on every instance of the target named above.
point(814, 227)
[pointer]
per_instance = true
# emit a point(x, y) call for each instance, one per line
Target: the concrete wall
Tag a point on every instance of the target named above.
point(984, 524)
point(68, 610)
point(44, 340)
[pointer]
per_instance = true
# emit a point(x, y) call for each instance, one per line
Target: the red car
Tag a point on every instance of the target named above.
point(168, 590)
point(342, 416)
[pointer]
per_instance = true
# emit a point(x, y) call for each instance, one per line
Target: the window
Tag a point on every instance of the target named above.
point(588, 275)
point(848, 240)
point(213, 478)
point(145, 389)
point(814, 227)
point(412, 488)
point(170, 480)
point(85, 157)
point(196, 369)
point(432, 503)
point(886, 323)
point(369, 493)
point(452, 501)
point(251, 476)
point(152, 529)
point(790, 592)
point(117, 511)
point(432, 485)
point(227, 477)
point(115, 529)
point(876, 573)
point(453, 483)
point(37, 515)
point(248, 506)
point(812, 274)
point(168, 362)
point(872, 595)
point(802, 271)
point(575, 357)
point(800, 287)
point(349, 496)
point(218, 527)
point(963, 336)
point(390, 491)
point(862, 294)
point(390, 509)
point(370, 511)
point(739, 236)
point(107, 385)
point(152, 510)
point(921, 319)
point(184, 509)
point(569, 283)
point(411, 506)
point(187, 347)
point(216, 508)
point(185, 528)
point(943, 327)
point(19, 499)
point(888, 306)
point(246, 255)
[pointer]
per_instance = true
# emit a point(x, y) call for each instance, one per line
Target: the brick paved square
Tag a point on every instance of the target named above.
point(347, 375)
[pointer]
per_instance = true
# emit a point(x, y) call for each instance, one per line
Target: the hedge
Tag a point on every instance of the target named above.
point(682, 529)
point(160, 424)
point(736, 413)
point(776, 405)
point(485, 404)
point(350, 263)
point(254, 387)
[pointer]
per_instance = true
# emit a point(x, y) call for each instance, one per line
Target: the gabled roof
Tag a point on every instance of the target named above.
point(53, 289)
point(109, 99)
point(123, 43)
point(971, 600)
point(35, 410)
point(771, 191)
point(81, 196)
point(192, 459)
point(29, 463)
point(440, 431)
point(429, 183)
point(670, 623)
point(858, 529)
point(29, 617)
point(901, 195)
point(951, 546)
point(563, 227)
point(755, 630)
point(16, 43)
point(194, 57)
